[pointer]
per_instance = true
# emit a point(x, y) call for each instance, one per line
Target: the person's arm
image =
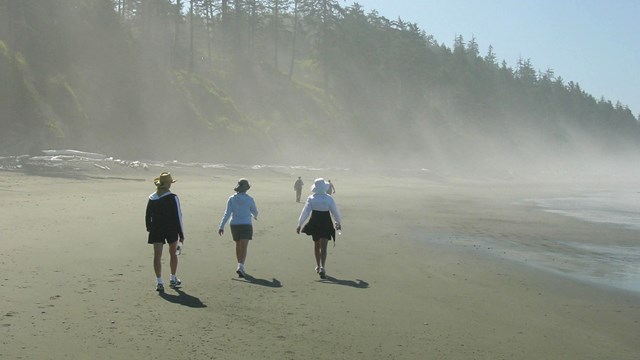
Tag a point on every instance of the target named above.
point(148, 217)
point(225, 217)
point(306, 211)
point(254, 209)
point(179, 211)
point(335, 212)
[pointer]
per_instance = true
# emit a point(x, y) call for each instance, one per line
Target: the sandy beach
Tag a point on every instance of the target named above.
point(411, 277)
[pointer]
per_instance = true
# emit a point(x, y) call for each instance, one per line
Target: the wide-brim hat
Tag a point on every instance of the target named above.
point(243, 185)
point(164, 179)
point(319, 186)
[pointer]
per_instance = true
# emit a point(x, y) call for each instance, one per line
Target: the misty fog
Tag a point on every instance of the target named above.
point(254, 86)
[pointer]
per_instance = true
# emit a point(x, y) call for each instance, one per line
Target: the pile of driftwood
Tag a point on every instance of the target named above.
point(65, 163)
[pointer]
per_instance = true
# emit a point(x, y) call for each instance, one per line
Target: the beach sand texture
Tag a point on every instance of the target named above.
point(408, 278)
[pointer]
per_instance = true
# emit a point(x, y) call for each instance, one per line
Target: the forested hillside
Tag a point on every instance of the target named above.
point(313, 82)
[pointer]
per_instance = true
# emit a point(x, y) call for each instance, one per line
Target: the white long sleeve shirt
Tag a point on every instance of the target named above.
point(319, 202)
point(240, 208)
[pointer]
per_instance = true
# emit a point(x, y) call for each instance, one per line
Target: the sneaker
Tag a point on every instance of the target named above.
point(240, 272)
point(160, 287)
point(323, 273)
point(174, 283)
point(317, 269)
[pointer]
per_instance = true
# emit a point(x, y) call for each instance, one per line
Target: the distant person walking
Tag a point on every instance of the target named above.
point(164, 224)
point(240, 208)
point(332, 190)
point(297, 186)
point(320, 206)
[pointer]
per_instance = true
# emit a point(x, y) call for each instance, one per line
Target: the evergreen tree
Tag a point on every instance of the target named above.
point(491, 58)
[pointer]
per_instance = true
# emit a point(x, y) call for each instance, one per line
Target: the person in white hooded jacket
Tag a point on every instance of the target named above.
point(319, 208)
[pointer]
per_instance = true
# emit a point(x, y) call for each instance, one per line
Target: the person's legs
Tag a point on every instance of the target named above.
point(241, 250)
point(241, 255)
point(320, 250)
point(317, 252)
point(242, 234)
point(173, 263)
point(157, 259)
point(323, 251)
point(157, 265)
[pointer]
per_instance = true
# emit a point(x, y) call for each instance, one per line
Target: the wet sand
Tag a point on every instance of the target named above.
point(412, 276)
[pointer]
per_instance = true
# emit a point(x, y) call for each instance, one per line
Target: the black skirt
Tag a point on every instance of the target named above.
point(320, 226)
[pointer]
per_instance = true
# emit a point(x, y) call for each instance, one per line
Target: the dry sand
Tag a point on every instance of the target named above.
point(77, 279)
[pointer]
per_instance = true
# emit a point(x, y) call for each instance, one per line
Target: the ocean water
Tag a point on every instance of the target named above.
point(618, 207)
point(597, 263)
point(602, 265)
point(617, 266)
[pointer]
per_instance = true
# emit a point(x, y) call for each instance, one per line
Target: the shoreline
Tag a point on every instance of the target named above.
point(588, 267)
point(78, 281)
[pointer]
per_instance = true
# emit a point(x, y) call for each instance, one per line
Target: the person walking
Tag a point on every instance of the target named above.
point(297, 186)
point(332, 189)
point(240, 208)
point(164, 223)
point(319, 208)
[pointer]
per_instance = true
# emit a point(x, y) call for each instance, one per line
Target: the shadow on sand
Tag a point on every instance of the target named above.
point(274, 283)
point(182, 298)
point(359, 284)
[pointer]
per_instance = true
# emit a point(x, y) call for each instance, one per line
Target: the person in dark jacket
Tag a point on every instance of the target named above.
point(297, 186)
point(332, 189)
point(164, 224)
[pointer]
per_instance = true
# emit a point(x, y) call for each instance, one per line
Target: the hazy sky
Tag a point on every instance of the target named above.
point(595, 43)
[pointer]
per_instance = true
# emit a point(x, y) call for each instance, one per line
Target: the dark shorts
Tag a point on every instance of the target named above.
point(241, 232)
point(320, 226)
point(162, 237)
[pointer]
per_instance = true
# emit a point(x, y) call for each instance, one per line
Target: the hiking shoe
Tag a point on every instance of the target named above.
point(160, 287)
point(240, 272)
point(322, 273)
point(174, 283)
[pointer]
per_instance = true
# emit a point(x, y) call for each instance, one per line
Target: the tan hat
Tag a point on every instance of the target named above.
point(163, 180)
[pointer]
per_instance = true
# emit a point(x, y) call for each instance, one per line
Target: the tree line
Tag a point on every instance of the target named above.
point(257, 73)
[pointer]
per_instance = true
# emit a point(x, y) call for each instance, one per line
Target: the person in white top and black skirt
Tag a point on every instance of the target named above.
point(319, 208)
